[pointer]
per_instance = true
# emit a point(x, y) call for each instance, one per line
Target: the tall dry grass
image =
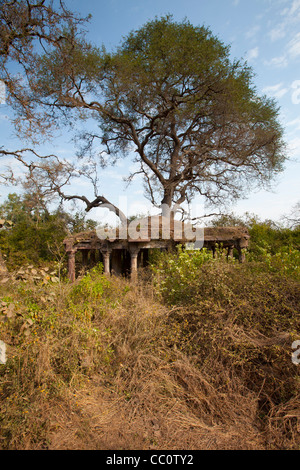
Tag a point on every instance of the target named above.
point(110, 364)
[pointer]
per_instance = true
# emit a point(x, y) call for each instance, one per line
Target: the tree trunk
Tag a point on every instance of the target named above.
point(166, 202)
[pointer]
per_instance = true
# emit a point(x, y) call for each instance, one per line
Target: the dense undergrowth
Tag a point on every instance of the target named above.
point(196, 354)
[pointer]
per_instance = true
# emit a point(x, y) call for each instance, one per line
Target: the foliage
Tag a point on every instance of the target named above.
point(53, 346)
point(26, 26)
point(173, 93)
point(286, 261)
point(172, 87)
point(273, 245)
point(263, 233)
point(273, 239)
point(101, 362)
point(244, 317)
point(35, 234)
point(177, 274)
point(178, 277)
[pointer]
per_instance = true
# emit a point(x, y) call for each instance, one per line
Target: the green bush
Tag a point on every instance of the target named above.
point(180, 276)
point(285, 261)
point(35, 234)
point(273, 239)
point(219, 357)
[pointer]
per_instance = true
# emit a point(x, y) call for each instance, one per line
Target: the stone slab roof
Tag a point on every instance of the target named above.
point(155, 228)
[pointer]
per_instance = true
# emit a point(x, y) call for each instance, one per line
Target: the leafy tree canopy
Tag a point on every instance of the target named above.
point(171, 93)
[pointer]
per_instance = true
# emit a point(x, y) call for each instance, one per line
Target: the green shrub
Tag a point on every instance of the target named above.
point(285, 261)
point(181, 276)
point(35, 234)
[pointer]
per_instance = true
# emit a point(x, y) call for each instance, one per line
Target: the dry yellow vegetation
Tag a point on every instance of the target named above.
point(107, 363)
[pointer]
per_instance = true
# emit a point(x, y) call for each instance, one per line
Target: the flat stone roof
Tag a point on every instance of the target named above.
point(152, 229)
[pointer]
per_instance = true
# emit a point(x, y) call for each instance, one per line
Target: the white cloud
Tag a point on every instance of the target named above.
point(280, 61)
point(277, 91)
point(295, 9)
point(252, 54)
point(251, 33)
point(290, 16)
point(293, 147)
point(292, 53)
point(294, 123)
point(109, 173)
point(277, 33)
point(294, 47)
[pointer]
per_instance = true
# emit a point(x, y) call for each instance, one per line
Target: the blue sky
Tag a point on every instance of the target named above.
point(264, 32)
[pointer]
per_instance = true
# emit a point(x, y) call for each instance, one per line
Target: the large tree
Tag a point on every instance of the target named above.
point(27, 29)
point(171, 93)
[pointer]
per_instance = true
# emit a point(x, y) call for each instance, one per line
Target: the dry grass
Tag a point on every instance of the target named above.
point(119, 369)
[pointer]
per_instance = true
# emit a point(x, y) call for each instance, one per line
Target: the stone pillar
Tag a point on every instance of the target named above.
point(106, 261)
point(134, 251)
point(71, 265)
point(242, 247)
point(242, 255)
point(230, 251)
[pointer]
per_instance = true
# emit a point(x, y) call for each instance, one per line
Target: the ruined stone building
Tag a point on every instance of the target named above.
point(124, 249)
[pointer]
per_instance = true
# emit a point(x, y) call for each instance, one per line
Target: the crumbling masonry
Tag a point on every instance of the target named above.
point(124, 251)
